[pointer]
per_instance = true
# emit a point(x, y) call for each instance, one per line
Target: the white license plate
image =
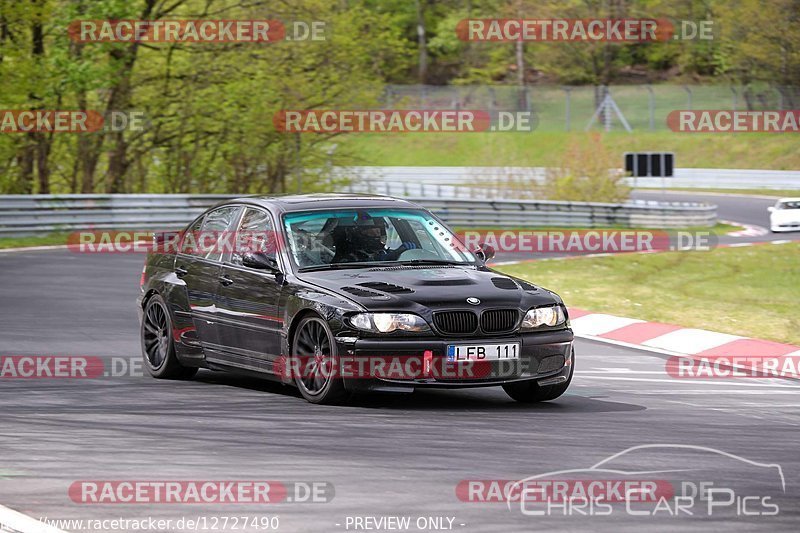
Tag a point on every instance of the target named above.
point(482, 352)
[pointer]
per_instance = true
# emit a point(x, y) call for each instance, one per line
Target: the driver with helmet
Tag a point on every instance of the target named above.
point(365, 240)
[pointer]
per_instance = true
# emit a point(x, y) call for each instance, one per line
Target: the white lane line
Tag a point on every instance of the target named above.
point(691, 341)
point(757, 405)
point(599, 323)
point(695, 381)
point(34, 248)
point(640, 347)
point(733, 392)
point(740, 244)
point(607, 371)
point(24, 523)
point(738, 411)
point(781, 242)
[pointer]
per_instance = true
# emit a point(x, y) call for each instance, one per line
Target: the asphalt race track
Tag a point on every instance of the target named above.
point(384, 456)
point(750, 210)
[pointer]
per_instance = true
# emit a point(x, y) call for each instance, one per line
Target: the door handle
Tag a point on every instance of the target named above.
point(225, 280)
point(180, 271)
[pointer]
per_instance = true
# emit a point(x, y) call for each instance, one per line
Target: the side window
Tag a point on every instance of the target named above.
point(256, 234)
point(189, 243)
point(215, 236)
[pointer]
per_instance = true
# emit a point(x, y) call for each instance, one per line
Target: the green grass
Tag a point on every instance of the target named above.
point(757, 150)
point(39, 240)
point(752, 291)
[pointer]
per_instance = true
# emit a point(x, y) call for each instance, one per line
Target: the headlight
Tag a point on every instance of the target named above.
point(388, 322)
point(544, 316)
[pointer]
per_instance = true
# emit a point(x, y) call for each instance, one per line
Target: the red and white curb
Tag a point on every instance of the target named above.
point(671, 339)
point(746, 231)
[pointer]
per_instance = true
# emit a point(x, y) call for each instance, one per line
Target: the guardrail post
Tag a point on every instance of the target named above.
point(568, 110)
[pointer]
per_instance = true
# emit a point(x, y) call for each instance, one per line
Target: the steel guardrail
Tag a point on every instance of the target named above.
point(413, 179)
point(22, 215)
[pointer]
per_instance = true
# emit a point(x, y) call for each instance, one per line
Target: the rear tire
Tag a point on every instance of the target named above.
point(317, 363)
point(158, 346)
point(532, 392)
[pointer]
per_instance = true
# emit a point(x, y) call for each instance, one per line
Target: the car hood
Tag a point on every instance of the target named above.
point(421, 288)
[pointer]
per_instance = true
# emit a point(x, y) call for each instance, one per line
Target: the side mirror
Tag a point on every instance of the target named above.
point(485, 252)
point(259, 261)
point(771, 209)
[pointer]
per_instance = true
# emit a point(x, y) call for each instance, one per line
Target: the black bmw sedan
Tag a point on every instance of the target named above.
point(338, 294)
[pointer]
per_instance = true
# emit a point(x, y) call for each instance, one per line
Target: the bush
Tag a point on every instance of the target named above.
point(588, 173)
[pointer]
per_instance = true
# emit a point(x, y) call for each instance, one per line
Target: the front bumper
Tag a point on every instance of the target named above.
point(544, 356)
point(780, 228)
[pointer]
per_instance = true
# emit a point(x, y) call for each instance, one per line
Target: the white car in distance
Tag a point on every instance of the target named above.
point(785, 215)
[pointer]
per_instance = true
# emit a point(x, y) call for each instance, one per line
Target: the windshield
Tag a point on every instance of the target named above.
point(357, 237)
point(791, 204)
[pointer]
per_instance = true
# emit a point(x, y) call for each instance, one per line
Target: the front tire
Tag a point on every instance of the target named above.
point(158, 347)
point(314, 373)
point(531, 392)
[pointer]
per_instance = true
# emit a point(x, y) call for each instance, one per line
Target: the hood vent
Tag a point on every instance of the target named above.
point(391, 288)
point(505, 283)
point(528, 287)
point(447, 282)
point(364, 293)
